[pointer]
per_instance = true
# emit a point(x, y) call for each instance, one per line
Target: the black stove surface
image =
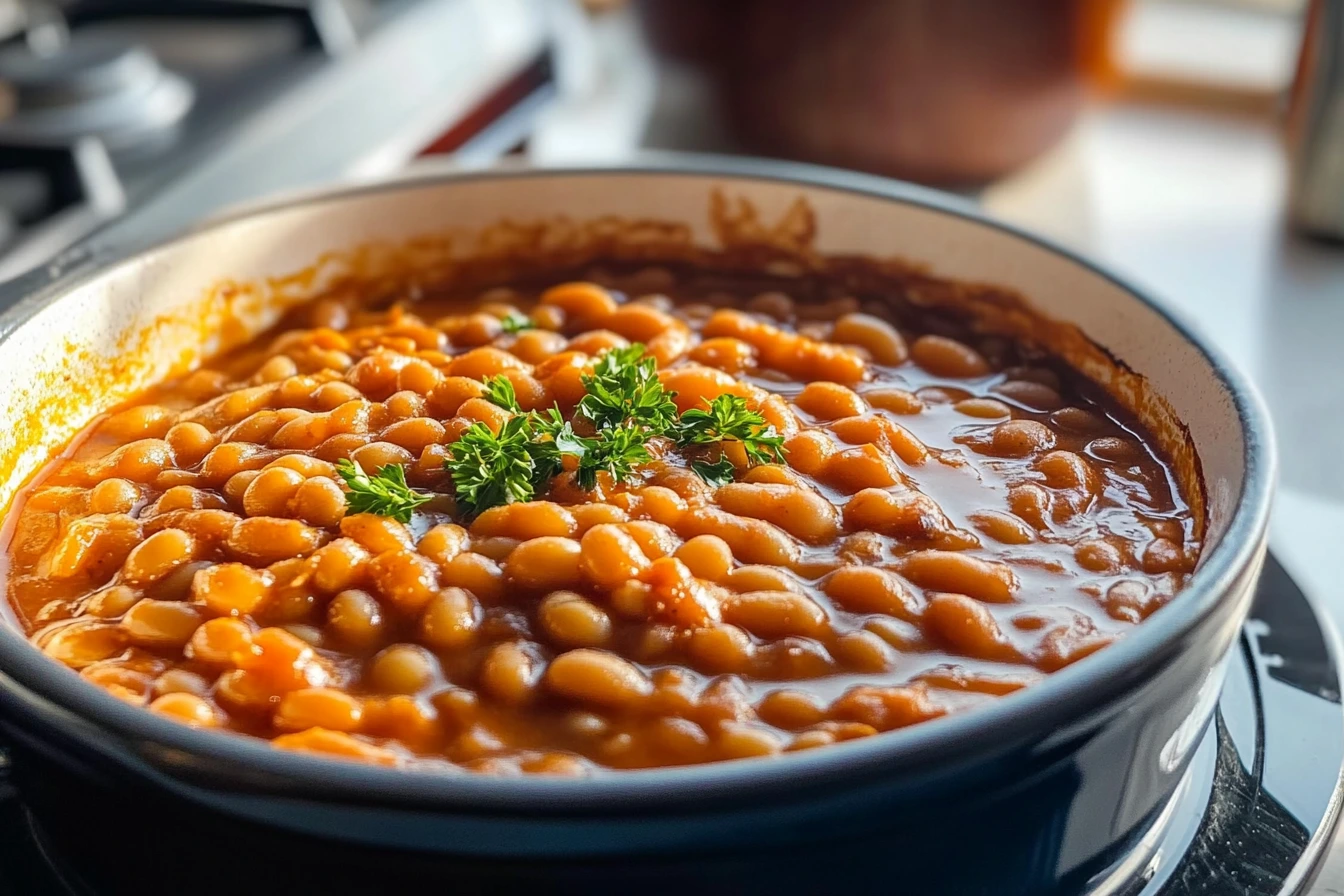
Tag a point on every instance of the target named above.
point(1258, 812)
point(1255, 816)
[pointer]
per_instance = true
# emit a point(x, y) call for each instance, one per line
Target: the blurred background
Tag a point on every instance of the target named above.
point(1197, 146)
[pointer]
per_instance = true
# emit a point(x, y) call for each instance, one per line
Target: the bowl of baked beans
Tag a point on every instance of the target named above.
point(739, 525)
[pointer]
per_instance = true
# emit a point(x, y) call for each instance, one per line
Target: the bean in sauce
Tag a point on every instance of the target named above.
point(957, 516)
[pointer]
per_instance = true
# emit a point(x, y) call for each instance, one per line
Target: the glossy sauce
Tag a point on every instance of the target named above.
point(958, 516)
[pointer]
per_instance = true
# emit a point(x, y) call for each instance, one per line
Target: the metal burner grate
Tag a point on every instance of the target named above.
point(132, 119)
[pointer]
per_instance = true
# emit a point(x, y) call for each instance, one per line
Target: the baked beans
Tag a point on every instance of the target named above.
point(954, 517)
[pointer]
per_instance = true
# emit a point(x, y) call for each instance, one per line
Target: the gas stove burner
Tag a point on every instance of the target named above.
point(1255, 815)
point(334, 26)
point(96, 85)
point(136, 118)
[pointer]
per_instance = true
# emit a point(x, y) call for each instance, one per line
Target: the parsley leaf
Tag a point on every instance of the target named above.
point(499, 391)
point(729, 419)
point(385, 493)
point(716, 474)
point(617, 451)
point(514, 322)
point(552, 438)
point(489, 469)
point(560, 431)
point(624, 386)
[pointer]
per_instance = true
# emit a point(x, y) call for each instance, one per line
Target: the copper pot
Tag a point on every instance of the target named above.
point(943, 91)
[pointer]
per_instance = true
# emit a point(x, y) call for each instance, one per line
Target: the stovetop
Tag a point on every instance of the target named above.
point(1254, 816)
point(1260, 805)
point(125, 120)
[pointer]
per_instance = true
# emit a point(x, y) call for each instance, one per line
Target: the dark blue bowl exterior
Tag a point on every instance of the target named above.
point(1039, 816)
point(1036, 794)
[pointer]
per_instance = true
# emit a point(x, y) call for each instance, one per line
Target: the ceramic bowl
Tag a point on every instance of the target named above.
point(1051, 789)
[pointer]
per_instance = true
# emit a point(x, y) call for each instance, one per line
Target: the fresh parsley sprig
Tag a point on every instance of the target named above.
point(728, 419)
point(384, 493)
point(553, 437)
point(624, 408)
point(716, 474)
point(490, 469)
point(513, 322)
point(560, 431)
point(616, 451)
point(499, 391)
point(624, 390)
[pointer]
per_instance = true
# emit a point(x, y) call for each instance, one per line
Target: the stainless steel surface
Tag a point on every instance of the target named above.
point(310, 92)
point(93, 86)
point(1316, 205)
point(427, 65)
point(44, 26)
